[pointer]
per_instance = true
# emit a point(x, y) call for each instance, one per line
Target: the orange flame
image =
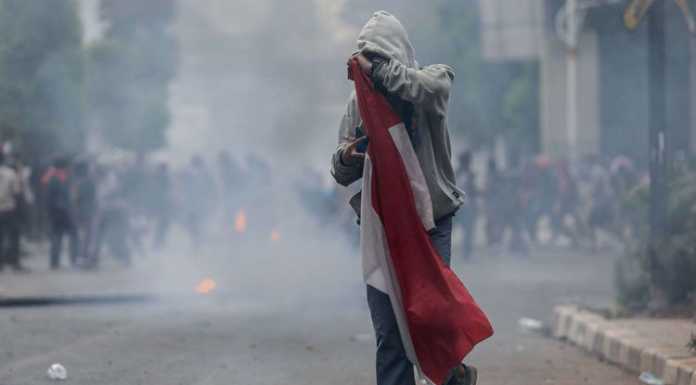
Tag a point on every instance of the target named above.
point(240, 222)
point(206, 286)
point(275, 236)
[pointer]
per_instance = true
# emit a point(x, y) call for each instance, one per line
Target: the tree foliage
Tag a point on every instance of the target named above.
point(129, 72)
point(41, 76)
point(671, 266)
point(489, 99)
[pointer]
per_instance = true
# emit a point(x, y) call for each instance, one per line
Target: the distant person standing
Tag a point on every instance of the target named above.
point(23, 200)
point(10, 189)
point(161, 202)
point(494, 199)
point(468, 213)
point(60, 212)
point(231, 179)
point(199, 198)
point(85, 200)
point(567, 204)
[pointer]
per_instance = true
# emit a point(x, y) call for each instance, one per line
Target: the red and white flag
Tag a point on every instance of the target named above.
point(439, 320)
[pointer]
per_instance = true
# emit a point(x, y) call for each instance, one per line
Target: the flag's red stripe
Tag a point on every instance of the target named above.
point(443, 319)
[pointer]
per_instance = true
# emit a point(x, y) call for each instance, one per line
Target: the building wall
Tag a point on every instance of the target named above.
point(625, 94)
point(511, 30)
point(613, 86)
point(624, 98)
point(677, 79)
point(692, 102)
point(555, 138)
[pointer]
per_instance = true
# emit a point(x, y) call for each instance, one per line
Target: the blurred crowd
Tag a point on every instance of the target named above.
point(88, 208)
point(537, 201)
point(548, 202)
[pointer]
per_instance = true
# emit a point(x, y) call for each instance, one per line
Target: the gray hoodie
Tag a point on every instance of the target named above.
point(428, 89)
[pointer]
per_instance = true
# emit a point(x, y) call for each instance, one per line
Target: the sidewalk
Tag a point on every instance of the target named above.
point(639, 345)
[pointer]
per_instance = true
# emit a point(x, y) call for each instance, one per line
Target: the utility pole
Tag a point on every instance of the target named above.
point(569, 22)
point(573, 30)
point(658, 114)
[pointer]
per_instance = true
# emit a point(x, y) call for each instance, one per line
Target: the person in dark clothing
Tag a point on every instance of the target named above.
point(231, 181)
point(23, 199)
point(199, 199)
point(468, 213)
point(514, 204)
point(60, 212)
point(494, 200)
point(9, 190)
point(539, 188)
point(161, 203)
point(85, 200)
point(113, 218)
point(567, 204)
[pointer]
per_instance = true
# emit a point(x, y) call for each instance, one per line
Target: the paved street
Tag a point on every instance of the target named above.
point(302, 322)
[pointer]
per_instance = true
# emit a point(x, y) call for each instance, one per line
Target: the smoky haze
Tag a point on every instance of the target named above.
point(266, 82)
point(260, 77)
point(268, 79)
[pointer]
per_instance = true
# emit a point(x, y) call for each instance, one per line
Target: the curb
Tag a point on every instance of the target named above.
point(622, 346)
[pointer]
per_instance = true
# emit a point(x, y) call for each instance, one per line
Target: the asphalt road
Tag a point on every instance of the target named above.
point(319, 334)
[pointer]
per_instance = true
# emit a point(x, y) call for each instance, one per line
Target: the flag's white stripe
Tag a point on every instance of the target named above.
point(377, 267)
point(421, 194)
point(372, 242)
point(378, 270)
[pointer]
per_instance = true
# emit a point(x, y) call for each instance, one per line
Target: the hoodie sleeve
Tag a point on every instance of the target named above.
point(428, 86)
point(345, 174)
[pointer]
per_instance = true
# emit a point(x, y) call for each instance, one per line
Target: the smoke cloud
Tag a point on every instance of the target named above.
point(262, 77)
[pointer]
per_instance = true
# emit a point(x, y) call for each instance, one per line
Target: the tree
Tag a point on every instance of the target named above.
point(41, 77)
point(488, 99)
point(129, 72)
point(520, 107)
point(459, 28)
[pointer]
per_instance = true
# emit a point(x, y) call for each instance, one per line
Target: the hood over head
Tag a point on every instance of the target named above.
point(384, 35)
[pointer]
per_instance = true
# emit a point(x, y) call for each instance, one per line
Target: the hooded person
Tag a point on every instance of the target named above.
point(420, 97)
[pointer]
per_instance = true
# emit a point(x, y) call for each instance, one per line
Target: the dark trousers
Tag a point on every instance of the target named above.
point(393, 367)
point(9, 239)
point(61, 225)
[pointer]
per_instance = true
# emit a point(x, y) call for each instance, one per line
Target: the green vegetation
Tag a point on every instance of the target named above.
point(130, 71)
point(52, 88)
point(489, 99)
point(41, 76)
point(665, 271)
point(691, 345)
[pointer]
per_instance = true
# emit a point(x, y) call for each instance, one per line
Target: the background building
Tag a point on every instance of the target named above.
point(612, 76)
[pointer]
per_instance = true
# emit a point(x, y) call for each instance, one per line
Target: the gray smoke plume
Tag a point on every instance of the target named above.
point(267, 78)
point(262, 77)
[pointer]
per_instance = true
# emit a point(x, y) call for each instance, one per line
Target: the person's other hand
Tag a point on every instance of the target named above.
point(350, 153)
point(365, 64)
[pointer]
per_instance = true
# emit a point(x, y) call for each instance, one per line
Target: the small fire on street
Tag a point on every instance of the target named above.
point(240, 222)
point(206, 286)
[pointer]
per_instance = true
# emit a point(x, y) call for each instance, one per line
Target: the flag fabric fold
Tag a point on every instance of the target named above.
point(439, 321)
